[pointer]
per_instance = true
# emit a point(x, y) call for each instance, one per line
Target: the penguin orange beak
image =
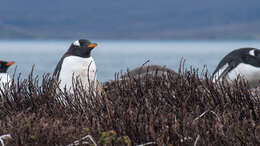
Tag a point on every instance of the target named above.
point(92, 45)
point(9, 63)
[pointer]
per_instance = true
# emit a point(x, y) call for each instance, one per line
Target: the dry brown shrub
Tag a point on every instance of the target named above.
point(166, 109)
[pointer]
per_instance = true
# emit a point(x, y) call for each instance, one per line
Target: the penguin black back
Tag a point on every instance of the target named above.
point(243, 55)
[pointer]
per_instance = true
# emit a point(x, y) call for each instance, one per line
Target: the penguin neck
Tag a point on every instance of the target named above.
point(78, 55)
point(3, 73)
point(77, 58)
point(3, 70)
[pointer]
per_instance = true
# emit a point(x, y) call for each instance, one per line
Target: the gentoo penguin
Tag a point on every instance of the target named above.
point(243, 62)
point(4, 77)
point(77, 64)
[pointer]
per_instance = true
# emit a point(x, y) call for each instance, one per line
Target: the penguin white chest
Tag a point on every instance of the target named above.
point(73, 67)
point(4, 80)
point(247, 71)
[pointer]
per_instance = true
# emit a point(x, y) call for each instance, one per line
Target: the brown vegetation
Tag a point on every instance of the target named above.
point(180, 109)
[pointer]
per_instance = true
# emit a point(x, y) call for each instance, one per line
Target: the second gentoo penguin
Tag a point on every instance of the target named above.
point(243, 62)
point(4, 77)
point(77, 64)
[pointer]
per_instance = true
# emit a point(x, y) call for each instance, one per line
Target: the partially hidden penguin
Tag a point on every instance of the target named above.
point(5, 79)
point(243, 62)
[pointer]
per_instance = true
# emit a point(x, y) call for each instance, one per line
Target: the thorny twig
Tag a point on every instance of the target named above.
point(204, 114)
point(213, 114)
point(148, 143)
point(3, 137)
point(196, 141)
point(77, 142)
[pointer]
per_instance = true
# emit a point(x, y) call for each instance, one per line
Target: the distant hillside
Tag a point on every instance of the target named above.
point(133, 19)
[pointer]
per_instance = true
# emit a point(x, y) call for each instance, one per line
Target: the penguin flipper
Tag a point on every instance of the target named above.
point(57, 69)
point(223, 71)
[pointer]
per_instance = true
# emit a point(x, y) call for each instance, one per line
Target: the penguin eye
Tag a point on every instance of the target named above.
point(257, 53)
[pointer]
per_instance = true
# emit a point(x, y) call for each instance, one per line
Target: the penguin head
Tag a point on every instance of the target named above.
point(4, 65)
point(251, 56)
point(81, 48)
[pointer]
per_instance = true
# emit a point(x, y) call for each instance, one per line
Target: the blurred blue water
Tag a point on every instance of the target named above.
point(114, 56)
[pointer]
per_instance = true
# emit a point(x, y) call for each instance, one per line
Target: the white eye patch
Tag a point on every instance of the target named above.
point(252, 52)
point(76, 43)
